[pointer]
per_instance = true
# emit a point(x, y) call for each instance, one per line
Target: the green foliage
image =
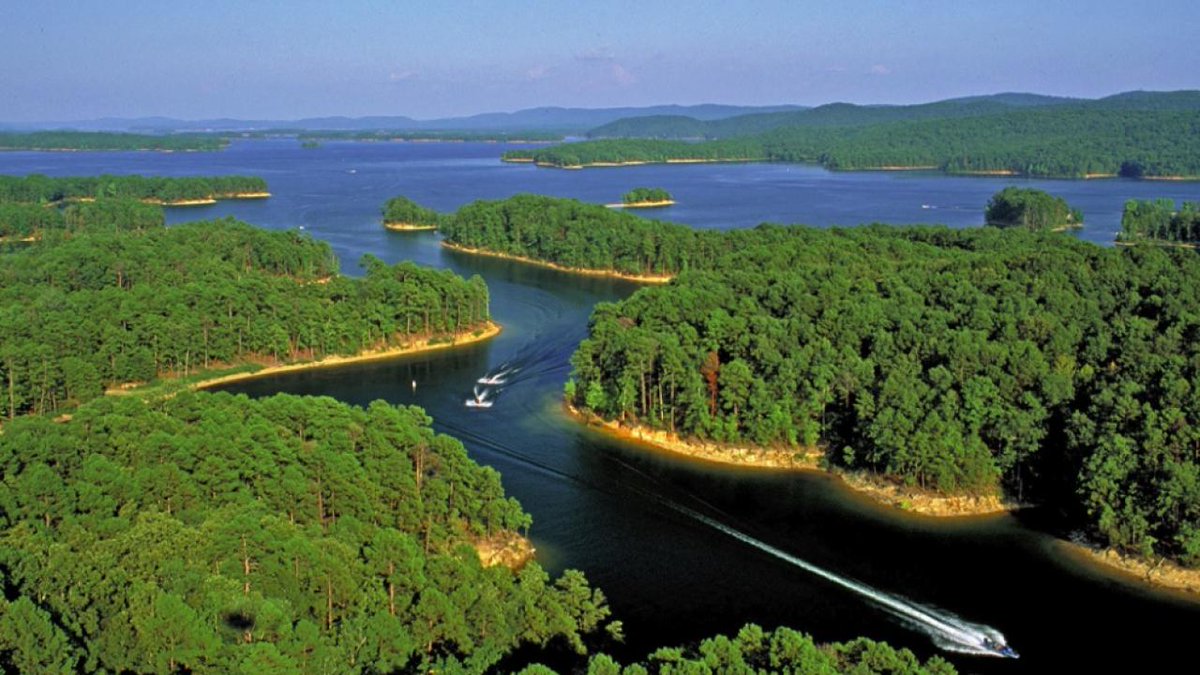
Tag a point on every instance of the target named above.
point(1071, 141)
point(645, 194)
point(89, 140)
point(22, 220)
point(782, 650)
point(290, 534)
point(406, 211)
point(433, 135)
point(1030, 209)
point(104, 307)
point(1158, 220)
point(959, 361)
point(39, 189)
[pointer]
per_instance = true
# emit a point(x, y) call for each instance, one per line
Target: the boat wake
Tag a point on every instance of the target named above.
point(948, 631)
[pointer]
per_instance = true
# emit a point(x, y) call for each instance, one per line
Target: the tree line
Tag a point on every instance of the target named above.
point(28, 220)
point(404, 211)
point(1160, 220)
point(183, 299)
point(954, 360)
point(37, 188)
point(1031, 209)
point(98, 140)
point(1047, 141)
point(646, 194)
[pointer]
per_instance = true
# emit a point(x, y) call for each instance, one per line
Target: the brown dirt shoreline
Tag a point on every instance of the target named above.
point(408, 227)
point(642, 278)
point(642, 205)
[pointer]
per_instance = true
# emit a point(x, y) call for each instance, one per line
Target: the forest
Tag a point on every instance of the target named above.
point(96, 140)
point(960, 361)
point(216, 533)
point(174, 301)
point(643, 195)
point(403, 211)
point(40, 189)
point(530, 136)
point(1030, 209)
point(783, 650)
point(20, 220)
point(1045, 141)
point(1160, 220)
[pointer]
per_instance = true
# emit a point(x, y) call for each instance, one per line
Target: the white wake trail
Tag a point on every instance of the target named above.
point(946, 630)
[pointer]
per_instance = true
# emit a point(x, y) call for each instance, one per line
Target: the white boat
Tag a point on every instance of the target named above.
point(480, 400)
point(491, 379)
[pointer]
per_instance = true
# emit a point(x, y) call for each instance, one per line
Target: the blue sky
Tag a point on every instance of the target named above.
point(253, 59)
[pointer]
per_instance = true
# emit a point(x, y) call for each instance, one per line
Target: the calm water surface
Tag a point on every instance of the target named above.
point(643, 526)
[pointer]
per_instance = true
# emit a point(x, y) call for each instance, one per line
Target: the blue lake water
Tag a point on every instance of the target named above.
point(682, 549)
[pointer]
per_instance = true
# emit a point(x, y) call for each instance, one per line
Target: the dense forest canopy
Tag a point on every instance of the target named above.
point(783, 650)
point(24, 220)
point(1159, 220)
point(1030, 209)
point(95, 140)
point(290, 534)
point(960, 361)
point(1051, 141)
point(402, 210)
point(646, 195)
point(186, 298)
point(36, 188)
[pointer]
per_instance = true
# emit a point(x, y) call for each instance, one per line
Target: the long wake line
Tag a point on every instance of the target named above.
point(947, 631)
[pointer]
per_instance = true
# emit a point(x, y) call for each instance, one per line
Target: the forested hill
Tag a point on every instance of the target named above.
point(958, 361)
point(97, 308)
point(290, 534)
point(832, 114)
point(86, 140)
point(1137, 136)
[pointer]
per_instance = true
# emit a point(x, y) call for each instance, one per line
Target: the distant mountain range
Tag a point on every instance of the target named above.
point(564, 120)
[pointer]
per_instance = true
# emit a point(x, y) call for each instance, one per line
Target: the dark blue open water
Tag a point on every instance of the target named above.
point(647, 528)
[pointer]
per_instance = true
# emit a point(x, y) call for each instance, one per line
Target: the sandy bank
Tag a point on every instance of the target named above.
point(245, 195)
point(1171, 178)
point(643, 278)
point(504, 548)
point(719, 453)
point(803, 459)
point(897, 167)
point(1161, 573)
point(987, 172)
point(425, 345)
point(517, 160)
point(642, 205)
point(408, 227)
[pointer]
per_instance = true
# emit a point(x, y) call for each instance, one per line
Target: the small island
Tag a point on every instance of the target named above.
point(401, 214)
point(644, 198)
point(1031, 209)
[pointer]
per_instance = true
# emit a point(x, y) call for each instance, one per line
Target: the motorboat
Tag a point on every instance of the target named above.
point(1000, 649)
point(480, 399)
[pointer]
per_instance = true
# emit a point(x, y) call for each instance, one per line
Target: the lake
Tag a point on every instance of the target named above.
point(683, 549)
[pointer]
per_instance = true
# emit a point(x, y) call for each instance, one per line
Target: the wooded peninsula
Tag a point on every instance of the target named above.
point(977, 361)
point(95, 140)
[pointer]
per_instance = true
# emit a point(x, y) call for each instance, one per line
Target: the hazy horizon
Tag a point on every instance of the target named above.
point(129, 59)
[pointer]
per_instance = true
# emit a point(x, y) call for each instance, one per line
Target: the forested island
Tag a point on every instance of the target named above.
point(402, 214)
point(1160, 221)
point(645, 198)
point(981, 361)
point(1032, 210)
point(174, 302)
point(95, 140)
point(39, 189)
point(1063, 141)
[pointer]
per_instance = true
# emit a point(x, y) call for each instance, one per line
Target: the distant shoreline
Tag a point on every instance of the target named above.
point(643, 278)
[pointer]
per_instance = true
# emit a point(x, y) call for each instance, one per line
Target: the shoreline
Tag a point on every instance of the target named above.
point(490, 330)
point(716, 453)
point(1162, 575)
point(407, 227)
point(646, 279)
point(642, 205)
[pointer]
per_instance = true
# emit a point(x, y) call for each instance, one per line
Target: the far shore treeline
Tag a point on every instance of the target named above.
point(98, 140)
point(1068, 141)
point(955, 360)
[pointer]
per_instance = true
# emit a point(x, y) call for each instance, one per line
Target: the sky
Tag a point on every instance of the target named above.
point(256, 59)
